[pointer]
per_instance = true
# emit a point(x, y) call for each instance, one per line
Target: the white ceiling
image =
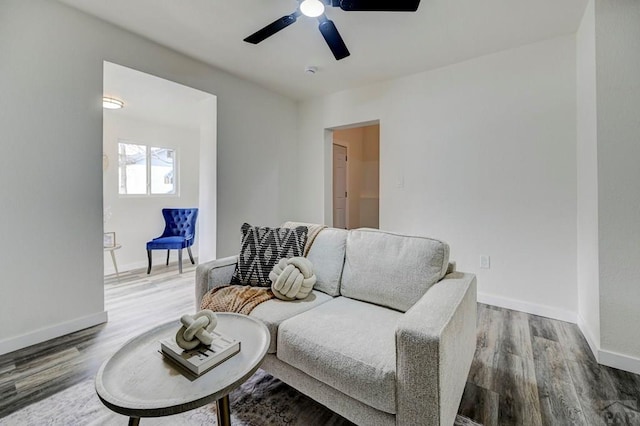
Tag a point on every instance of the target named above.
point(151, 98)
point(382, 45)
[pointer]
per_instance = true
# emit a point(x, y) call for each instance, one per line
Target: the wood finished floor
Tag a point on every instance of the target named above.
point(531, 370)
point(135, 303)
point(527, 370)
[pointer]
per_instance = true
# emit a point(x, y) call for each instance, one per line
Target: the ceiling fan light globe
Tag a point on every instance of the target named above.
point(312, 8)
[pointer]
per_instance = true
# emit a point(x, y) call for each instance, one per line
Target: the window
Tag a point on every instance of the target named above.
point(146, 170)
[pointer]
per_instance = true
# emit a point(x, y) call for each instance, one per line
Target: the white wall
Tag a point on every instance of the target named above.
point(208, 182)
point(617, 26)
point(138, 219)
point(486, 151)
point(587, 168)
point(51, 120)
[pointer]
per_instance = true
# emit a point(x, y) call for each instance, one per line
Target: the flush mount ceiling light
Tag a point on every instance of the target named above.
point(312, 8)
point(111, 103)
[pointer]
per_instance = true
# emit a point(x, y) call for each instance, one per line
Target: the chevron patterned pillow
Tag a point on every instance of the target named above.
point(262, 248)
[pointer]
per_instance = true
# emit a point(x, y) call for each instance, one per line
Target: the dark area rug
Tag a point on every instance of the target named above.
point(260, 401)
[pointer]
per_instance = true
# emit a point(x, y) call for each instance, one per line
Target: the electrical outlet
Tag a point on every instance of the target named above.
point(485, 262)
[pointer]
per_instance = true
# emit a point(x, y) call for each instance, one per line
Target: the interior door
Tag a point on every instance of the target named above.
point(339, 186)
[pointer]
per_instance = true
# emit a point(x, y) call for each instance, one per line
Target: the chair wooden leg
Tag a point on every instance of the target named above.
point(190, 255)
point(149, 257)
point(180, 260)
point(168, 251)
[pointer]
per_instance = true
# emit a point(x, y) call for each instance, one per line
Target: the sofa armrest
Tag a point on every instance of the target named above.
point(435, 344)
point(215, 273)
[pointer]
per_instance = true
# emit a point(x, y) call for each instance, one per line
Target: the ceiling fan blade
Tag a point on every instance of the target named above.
point(333, 38)
point(377, 5)
point(272, 28)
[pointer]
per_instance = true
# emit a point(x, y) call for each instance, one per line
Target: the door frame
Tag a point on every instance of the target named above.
point(346, 184)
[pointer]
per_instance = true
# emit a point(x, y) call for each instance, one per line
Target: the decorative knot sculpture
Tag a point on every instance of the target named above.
point(292, 278)
point(196, 329)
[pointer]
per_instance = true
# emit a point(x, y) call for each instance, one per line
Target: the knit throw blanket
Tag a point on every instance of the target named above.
point(236, 298)
point(313, 231)
point(243, 299)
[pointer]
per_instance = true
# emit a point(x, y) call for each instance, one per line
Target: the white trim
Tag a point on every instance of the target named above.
point(619, 361)
point(346, 180)
point(140, 264)
point(148, 147)
point(588, 335)
point(530, 308)
point(143, 264)
point(608, 358)
point(43, 334)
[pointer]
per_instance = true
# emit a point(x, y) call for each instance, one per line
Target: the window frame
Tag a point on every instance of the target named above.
point(148, 167)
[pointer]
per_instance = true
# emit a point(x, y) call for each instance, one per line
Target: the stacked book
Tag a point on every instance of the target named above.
point(203, 358)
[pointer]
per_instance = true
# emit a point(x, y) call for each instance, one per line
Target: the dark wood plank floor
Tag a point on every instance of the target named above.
point(527, 370)
point(530, 370)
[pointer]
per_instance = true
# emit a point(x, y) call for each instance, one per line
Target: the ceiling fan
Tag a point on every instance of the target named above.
point(315, 9)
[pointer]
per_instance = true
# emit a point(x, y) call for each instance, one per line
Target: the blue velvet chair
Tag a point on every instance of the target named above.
point(179, 233)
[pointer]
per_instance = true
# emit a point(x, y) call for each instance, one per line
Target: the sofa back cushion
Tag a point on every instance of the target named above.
point(391, 270)
point(327, 256)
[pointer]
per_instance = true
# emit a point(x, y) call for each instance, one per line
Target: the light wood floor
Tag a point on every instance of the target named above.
point(135, 303)
point(527, 370)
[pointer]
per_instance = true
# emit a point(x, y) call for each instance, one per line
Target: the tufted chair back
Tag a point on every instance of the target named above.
point(180, 223)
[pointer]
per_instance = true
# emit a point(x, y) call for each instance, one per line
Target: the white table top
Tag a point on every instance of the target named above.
point(138, 381)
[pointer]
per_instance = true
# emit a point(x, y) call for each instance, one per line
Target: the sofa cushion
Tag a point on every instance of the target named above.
point(274, 311)
point(347, 344)
point(327, 256)
point(262, 248)
point(390, 269)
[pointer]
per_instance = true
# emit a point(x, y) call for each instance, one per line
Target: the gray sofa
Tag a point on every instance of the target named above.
point(387, 335)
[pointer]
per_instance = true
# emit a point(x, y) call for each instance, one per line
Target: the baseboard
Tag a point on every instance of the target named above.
point(43, 334)
point(588, 335)
point(608, 358)
point(605, 357)
point(619, 361)
point(132, 266)
point(530, 308)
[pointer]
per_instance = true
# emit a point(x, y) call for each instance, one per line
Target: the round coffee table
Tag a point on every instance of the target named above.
point(138, 381)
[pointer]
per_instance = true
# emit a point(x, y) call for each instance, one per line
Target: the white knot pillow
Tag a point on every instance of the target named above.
point(292, 278)
point(196, 329)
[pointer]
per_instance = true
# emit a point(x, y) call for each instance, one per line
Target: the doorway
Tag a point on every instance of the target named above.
point(356, 177)
point(153, 149)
